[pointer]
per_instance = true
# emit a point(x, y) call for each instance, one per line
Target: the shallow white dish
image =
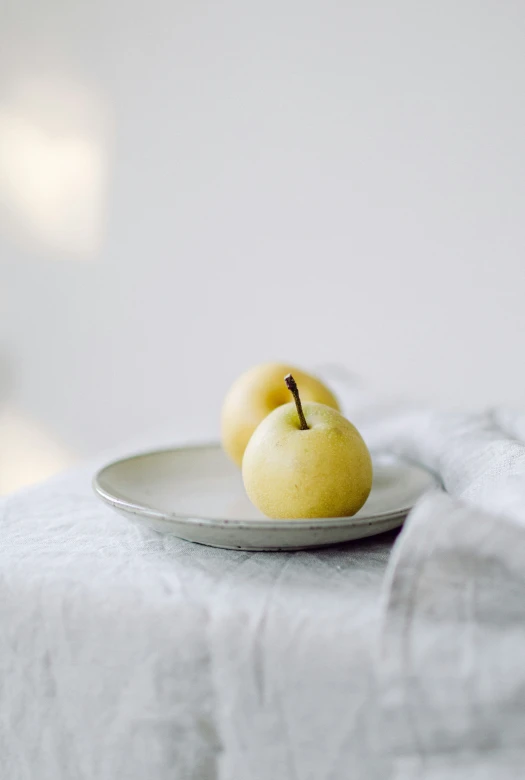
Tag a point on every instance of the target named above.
point(198, 495)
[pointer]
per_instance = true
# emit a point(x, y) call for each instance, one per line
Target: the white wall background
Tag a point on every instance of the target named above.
point(188, 187)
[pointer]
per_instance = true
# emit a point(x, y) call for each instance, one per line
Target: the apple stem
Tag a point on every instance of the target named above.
point(291, 384)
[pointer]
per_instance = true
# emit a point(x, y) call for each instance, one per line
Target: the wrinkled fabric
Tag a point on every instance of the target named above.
point(126, 654)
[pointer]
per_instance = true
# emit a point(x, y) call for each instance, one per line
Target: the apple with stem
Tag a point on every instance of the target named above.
point(305, 461)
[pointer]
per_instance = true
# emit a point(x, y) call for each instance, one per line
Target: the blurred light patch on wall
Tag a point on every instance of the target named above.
point(54, 156)
point(28, 452)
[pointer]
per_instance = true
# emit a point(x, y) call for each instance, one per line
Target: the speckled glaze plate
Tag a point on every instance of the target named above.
point(197, 494)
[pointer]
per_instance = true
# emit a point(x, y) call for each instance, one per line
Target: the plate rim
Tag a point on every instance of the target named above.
point(140, 510)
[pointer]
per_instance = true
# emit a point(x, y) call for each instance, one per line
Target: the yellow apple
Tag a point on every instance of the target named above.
point(258, 392)
point(306, 461)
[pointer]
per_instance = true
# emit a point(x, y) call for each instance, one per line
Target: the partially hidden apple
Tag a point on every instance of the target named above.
point(305, 461)
point(258, 392)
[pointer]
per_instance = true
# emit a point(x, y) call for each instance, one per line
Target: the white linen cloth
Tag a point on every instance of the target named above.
point(126, 655)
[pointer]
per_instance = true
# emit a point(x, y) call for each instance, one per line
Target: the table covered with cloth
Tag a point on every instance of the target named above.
point(127, 655)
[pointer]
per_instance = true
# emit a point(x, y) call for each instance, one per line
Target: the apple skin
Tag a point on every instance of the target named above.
point(258, 392)
point(325, 471)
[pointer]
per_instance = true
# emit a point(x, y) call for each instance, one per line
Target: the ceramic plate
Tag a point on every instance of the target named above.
point(198, 495)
